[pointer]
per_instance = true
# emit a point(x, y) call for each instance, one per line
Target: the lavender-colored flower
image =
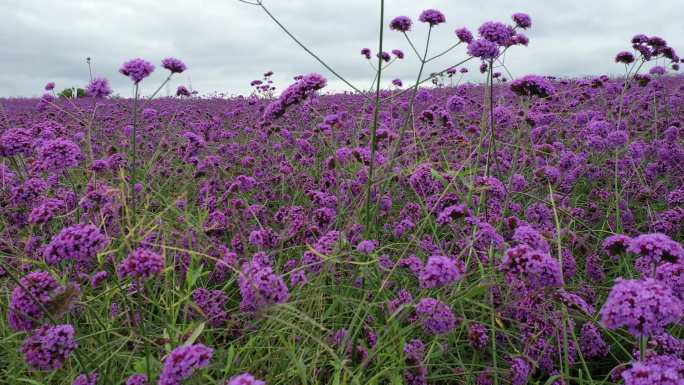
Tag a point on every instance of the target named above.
point(16, 141)
point(46, 210)
point(212, 303)
point(414, 351)
point(366, 52)
point(384, 56)
point(624, 57)
point(529, 236)
point(657, 70)
point(522, 20)
point(432, 17)
point(401, 24)
point(58, 155)
point(436, 316)
point(49, 347)
point(478, 336)
point(616, 244)
point(464, 35)
point(399, 54)
point(397, 82)
point(439, 271)
point(137, 379)
point(367, 246)
point(520, 371)
point(496, 32)
point(50, 86)
point(672, 275)
point(174, 65)
point(644, 307)
point(142, 264)
point(24, 313)
point(182, 91)
point(484, 49)
point(244, 379)
point(294, 94)
point(535, 268)
point(591, 341)
point(99, 88)
point(658, 370)
point(532, 85)
point(260, 286)
point(182, 362)
point(137, 69)
point(654, 249)
point(86, 379)
point(78, 243)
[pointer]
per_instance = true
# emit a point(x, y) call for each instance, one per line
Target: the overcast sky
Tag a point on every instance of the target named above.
point(226, 44)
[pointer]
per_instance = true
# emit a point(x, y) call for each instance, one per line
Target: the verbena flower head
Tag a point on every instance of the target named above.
point(182, 362)
point(137, 379)
point(303, 88)
point(49, 347)
point(520, 371)
point(478, 336)
point(436, 317)
point(174, 65)
point(657, 70)
point(591, 341)
point(401, 24)
point(244, 379)
point(616, 244)
point(522, 20)
point(366, 52)
point(624, 57)
point(78, 243)
point(432, 17)
point(399, 54)
point(439, 271)
point(50, 86)
point(15, 141)
point(496, 32)
point(137, 69)
point(484, 49)
point(535, 268)
point(644, 307)
point(58, 155)
point(654, 249)
point(99, 88)
point(142, 264)
point(464, 35)
point(532, 85)
point(260, 286)
point(658, 370)
point(86, 379)
point(24, 313)
point(182, 91)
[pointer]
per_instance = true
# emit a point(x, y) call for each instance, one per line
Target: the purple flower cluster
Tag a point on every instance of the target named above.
point(48, 347)
point(260, 286)
point(436, 317)
point(439, 271)
point(142, 264)
point(182, 362)
point(174, 65)
point(212, 303)
point(644, 307)
point(294, 94)
point(78, 243)
point(532, 85)
point(99, 88)
point(432, 17)
point(658, 370)
point(535, 268)
point(137, 69)
point(244, 379)
point(24, 313)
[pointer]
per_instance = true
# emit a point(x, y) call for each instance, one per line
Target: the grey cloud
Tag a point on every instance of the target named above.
point(226, 44)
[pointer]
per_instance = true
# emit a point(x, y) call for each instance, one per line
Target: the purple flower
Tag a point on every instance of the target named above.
point(174, 65)
point(616, 244)
point(86, 379)
point(46, 210)
point(137, 69)
point(294, 94)
point(484, 49)
point(657, 70)
point(397, 82)
point(366, 52)
point(15, 141)
point(24, 313)
point(366, 246)
point(520, 371)
point(432, 17)
point(534, 267)
point(98, 88)
point(244, 379)
point(478, 336)
point(260, 286)
point(436, 316)
point(182, 362)
point(78, 243)
point(464, 35)
point(439, 271)
point(654, 249)
point(624, 57)
point(399, 54)
point(401, 24)
point(49, 347)
point(142, 264)
point(592, 342)
point(58, 155)
point(182, 91)
point(137, 379)
point(414, 351)
point(522, 20)
point(644, 307)
point(532, 85)
point(212, 303)
point(658, 370)
point(496, 32)
point(50, 86)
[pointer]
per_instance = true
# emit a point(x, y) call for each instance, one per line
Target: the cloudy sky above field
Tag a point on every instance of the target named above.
point(226, 43)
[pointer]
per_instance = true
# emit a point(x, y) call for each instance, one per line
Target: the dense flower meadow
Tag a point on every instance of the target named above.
point(520, 231)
